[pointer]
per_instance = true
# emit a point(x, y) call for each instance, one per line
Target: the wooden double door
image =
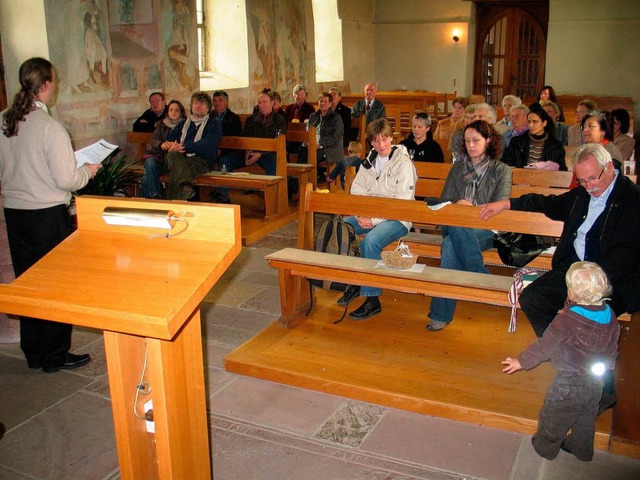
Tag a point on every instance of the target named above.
point(510, 54)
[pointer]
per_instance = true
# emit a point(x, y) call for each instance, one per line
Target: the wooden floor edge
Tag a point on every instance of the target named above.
point(624, 448)
point(388, 399)
point(249, 237)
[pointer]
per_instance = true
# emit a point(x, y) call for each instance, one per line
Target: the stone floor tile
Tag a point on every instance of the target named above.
point(243, 451)
point(275, 405)
point(266, 301)
point(214, 354)
point(84, 336)
point(6, 474)
point(231, 327)
point(351, 423)
point(275, 242)
point(26, 392)
point(73, 439)
point(269, 279)
point(232, 294)
point(445, 444)
point(100, 386)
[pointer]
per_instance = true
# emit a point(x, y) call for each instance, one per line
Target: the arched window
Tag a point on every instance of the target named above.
point(328, 41)
point(223, 55)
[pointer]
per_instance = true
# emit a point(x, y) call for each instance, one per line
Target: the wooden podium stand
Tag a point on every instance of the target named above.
point(145, 294)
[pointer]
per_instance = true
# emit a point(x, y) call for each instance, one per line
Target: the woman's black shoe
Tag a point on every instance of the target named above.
point(369, 308)
point(352, 292)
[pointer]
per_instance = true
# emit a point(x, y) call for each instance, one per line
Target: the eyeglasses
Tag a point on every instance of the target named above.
point(590, 126)
point(593, 179)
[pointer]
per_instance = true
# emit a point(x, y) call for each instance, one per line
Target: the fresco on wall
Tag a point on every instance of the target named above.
point(79, 49)
point(280, 57)
point(126, 12)
point(178, 29)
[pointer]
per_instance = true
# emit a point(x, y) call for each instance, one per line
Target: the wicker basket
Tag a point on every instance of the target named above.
point(401, 258)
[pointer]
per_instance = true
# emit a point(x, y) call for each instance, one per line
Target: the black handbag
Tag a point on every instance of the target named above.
point(518, 249)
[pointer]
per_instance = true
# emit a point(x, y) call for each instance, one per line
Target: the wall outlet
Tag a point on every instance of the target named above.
point(148, 407)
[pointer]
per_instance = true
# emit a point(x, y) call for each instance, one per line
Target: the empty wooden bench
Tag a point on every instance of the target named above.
point(274, 187)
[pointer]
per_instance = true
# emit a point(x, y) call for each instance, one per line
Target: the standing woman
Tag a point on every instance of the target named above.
point(477, 177)
point(419, 146)
point(548, 94)
point(38, 173)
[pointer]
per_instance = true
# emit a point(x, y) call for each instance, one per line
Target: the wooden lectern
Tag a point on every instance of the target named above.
point(145, 294)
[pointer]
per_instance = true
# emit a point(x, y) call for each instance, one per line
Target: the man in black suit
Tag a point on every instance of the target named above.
point(369, 106)
point(345, 113)
point(230, 122)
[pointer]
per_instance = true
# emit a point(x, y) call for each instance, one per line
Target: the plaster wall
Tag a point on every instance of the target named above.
point(24, 35)
point(415, 49)
point(591, 48)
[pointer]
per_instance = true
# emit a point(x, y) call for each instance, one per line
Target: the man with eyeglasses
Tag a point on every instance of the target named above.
point(601, 224)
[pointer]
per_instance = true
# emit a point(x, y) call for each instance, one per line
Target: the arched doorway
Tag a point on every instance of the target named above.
point(510, 56)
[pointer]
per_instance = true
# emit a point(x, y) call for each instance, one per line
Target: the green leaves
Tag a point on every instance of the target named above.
point(112, 179)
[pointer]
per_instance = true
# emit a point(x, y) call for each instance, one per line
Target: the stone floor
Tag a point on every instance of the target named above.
point(60, 425)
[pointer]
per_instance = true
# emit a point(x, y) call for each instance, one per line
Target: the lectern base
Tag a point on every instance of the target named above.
point(179, 448)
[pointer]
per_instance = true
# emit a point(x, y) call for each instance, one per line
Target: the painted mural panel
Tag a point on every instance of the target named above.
point(279, 52)
point(178, 30)
point(79, 50)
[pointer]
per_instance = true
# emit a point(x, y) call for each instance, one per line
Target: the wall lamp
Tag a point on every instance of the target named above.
point(456, 35)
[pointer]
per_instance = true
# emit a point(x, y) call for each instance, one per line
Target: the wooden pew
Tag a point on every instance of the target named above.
point(297, 132)
point(569, 103)
point(141, 140)
point(360, 124)
point(296, 264)
point(274, 186)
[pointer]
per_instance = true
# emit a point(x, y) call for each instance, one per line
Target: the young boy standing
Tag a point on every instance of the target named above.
point(582, 343)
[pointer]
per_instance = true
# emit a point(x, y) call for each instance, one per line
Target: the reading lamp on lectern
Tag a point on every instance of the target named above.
point(146, 218)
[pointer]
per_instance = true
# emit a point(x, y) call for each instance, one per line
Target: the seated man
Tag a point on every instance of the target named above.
point(575, 138)
point(264, 124)
point(300, 109)
point(345, 114)
point(228, 120)
point(601, 224)
point(369, 106)
point(147, 121)
point(193, 148)
point(519, 124)
point(508, 102)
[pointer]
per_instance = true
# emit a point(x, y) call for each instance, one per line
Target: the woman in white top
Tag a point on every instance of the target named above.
point(386, 172)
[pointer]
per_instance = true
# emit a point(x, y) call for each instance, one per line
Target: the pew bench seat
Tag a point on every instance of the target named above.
point(268, 184)
point(432, 281)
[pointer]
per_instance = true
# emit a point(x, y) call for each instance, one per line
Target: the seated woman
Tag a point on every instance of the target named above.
point(621, 124)
point(447, 126)
point(597, 127)
point(537, 148)
point(420, 148)
point(154, 158)
point(560, 130)
point(456, 140)
point(478, 177)
point(386, 172)
point(329, 131)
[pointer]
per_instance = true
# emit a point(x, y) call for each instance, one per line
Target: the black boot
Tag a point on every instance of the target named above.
point(369, 308)
point(350, 293)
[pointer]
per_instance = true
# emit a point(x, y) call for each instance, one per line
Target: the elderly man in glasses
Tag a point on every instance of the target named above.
point(601, 224)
